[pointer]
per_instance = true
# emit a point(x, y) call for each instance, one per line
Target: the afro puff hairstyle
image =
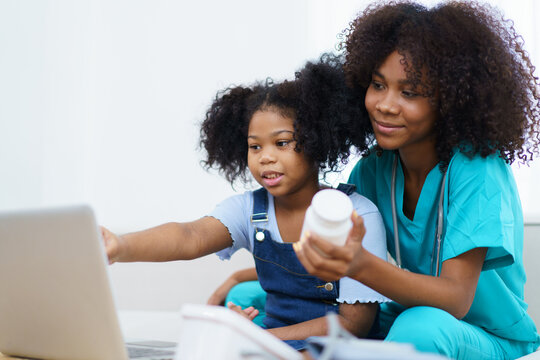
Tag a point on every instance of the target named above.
point(479, 75)
point(328, 118)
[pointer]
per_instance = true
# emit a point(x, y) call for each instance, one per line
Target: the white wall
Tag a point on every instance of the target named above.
point(100, 100)
point(531, 249)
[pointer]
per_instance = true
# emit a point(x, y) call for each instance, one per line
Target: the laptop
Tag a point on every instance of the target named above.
point(55, 295)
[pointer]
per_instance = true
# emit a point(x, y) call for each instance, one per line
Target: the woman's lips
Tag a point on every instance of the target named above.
point(386, 128)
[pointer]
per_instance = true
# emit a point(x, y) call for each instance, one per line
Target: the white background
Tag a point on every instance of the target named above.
point(100, 103)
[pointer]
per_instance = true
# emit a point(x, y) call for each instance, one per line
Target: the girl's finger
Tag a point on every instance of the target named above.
point(253, 314)
point(232, 306)
point(249, 310)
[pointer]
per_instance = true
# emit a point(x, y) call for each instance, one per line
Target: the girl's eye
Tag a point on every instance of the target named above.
point(254, 147)
point(376, 85)
point(282, 143)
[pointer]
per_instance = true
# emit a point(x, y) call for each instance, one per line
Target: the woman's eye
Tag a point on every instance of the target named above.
point(409, 94)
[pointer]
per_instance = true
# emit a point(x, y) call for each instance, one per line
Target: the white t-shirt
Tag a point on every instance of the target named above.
point(235, 213)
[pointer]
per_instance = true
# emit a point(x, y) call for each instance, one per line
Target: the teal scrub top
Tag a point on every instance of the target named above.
point(481, 209)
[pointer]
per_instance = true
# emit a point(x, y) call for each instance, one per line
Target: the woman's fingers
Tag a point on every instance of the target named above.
point(358, 230)
point(326, 260)
point(321, 258)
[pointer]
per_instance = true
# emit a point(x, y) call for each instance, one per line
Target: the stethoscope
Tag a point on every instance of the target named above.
point(440, 222)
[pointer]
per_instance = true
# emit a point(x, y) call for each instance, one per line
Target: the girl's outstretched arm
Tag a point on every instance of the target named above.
point(167, 242)
point(453, 291)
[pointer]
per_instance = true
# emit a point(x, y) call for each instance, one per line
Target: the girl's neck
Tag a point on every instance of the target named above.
point(298, 200)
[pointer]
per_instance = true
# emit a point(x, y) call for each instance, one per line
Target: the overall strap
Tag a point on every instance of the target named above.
point(348, 189)
point(260, 206)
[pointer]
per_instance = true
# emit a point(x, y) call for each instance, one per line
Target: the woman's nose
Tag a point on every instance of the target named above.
point(387, 105)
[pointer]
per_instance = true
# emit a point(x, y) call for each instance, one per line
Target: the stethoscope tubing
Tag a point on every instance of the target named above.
point(440, 222)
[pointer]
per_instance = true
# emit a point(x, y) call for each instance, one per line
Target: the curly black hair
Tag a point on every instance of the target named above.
point(328, 118)
point(479, 75)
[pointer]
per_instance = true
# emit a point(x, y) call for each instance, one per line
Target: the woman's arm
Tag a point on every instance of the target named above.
point(453, 291)
point(219, 295)
point(170, 241)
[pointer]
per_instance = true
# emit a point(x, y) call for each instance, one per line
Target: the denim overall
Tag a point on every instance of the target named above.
point(293, 295)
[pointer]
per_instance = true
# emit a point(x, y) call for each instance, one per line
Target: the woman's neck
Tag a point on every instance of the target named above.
point(418, 162)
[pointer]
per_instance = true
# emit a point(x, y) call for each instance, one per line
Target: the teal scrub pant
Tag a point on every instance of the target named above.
point(428, 329)
point(434, 330)
point(246, 294)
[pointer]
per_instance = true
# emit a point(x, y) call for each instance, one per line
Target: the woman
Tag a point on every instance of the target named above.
point(452, 101)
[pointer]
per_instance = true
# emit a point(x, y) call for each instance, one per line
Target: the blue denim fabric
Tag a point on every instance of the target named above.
point(293, 295)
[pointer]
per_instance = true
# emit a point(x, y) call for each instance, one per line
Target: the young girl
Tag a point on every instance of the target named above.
point(452, 101)
point(283, 134)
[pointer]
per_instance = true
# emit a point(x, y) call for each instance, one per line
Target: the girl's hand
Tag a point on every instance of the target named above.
point(113, 245)
point(249, 312)
point(328, 261)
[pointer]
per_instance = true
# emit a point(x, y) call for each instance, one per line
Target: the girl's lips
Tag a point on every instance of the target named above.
point(386, 128)
point(272, 181)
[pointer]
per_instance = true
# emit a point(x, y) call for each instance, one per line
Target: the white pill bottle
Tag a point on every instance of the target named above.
point(329, 216)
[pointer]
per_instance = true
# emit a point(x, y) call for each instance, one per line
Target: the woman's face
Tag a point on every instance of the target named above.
point(401, 116)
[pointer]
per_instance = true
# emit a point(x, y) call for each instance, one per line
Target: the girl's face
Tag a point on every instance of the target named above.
point(271, 156)
point(402, 118)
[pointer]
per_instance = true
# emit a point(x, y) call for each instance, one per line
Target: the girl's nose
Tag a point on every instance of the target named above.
point(267, 156)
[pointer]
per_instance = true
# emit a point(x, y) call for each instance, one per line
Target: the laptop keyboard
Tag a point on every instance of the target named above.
point(140, 352)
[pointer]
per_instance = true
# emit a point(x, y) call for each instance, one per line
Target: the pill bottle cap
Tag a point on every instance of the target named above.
point(332, 205)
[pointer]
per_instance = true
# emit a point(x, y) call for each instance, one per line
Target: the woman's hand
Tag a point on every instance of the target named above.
point(113, 245)
point(328, 261)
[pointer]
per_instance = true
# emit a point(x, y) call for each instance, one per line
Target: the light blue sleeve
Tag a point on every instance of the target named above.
point(352, 291)
point(484, 210)
point(234, 213)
